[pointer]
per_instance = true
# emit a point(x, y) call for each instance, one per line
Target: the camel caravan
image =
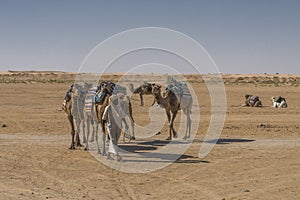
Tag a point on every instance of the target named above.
point(108, 105)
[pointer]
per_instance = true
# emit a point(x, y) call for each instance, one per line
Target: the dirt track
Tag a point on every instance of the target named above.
point(249, 162)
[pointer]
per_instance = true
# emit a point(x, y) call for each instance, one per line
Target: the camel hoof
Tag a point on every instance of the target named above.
point(132, 138)
point(185, 137)
point(72, 147)
point(109, 157)
point(86, 149)
point(119, 158)
point(168, 138)
point(175, 136)
point(79, 145)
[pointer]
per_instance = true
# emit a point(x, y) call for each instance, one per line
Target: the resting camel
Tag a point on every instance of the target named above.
point(144, 89)
point(106, 88)
point(68, 106)
point(172, 104)
point(252, 101)
point(280, 102)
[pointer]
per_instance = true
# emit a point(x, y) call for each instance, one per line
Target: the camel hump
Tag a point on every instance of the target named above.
point(179, 88)
point(119, 89)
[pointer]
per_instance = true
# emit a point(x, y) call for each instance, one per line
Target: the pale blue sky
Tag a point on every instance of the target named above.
point(241, 36)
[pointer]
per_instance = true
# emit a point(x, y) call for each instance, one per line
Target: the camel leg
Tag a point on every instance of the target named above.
point(77, 139)
point(258, 104)
point(103, 143)
point(103, 139)
point(88, 127)
point(71, 120)
point(85, 137)
point(142, 100)
point(83, 131)
point(171, 125)
point(94, 127)
point(132, 127)
point(188, 125)
point(131, 119)
point(88, 133)
point(153, 101)
point(126, 130)
point(169, 118)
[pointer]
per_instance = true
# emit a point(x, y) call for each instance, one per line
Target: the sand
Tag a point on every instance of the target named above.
point(250, 161)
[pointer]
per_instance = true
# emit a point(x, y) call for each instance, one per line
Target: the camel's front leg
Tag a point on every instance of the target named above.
point(103, 139)
point(142, 100)
point(153, 101)
point(77, 139)
point(188, 126)
point(71, 120)
point(95, 129)
point(132, 127)
point(170, 129)
point(171, 125)
point(96, 136)
point(88, 133)
point(84, 139)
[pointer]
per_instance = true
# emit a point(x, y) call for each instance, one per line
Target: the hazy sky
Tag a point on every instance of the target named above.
point(241, 36)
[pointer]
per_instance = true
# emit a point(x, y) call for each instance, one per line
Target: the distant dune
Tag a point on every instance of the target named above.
point(68, 77)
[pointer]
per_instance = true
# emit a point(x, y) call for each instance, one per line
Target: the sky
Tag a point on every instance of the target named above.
point(257, 36)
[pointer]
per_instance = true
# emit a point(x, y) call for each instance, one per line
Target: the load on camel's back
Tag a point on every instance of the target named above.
point(252, 101)
point(181, 91)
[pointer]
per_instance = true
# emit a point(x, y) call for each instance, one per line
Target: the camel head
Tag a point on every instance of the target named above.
point(273, 99)
point(156, 89)
point(106, 86)
point(247, 96)
point(77, 89)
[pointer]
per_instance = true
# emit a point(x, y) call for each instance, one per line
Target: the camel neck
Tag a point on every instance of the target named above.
point(159, 99)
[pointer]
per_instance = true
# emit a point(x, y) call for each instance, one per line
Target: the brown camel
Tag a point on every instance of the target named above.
point(172, 104)
point(68, 107)
point(252, 101)
point(144, 89)
point(107, 88)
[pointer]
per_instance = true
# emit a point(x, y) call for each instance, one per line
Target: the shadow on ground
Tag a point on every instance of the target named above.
point(229, 140)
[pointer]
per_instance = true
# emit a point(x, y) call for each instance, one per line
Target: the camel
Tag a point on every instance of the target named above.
point(144, 89)
point(280, 102)
point(90, 116)
point(125, 104)
point(252, 101)
point(106, 89)
point(73, 96)
point(79, 114)
point(172, 104)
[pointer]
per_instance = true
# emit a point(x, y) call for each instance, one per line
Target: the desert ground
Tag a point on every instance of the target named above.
point(257, 156)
